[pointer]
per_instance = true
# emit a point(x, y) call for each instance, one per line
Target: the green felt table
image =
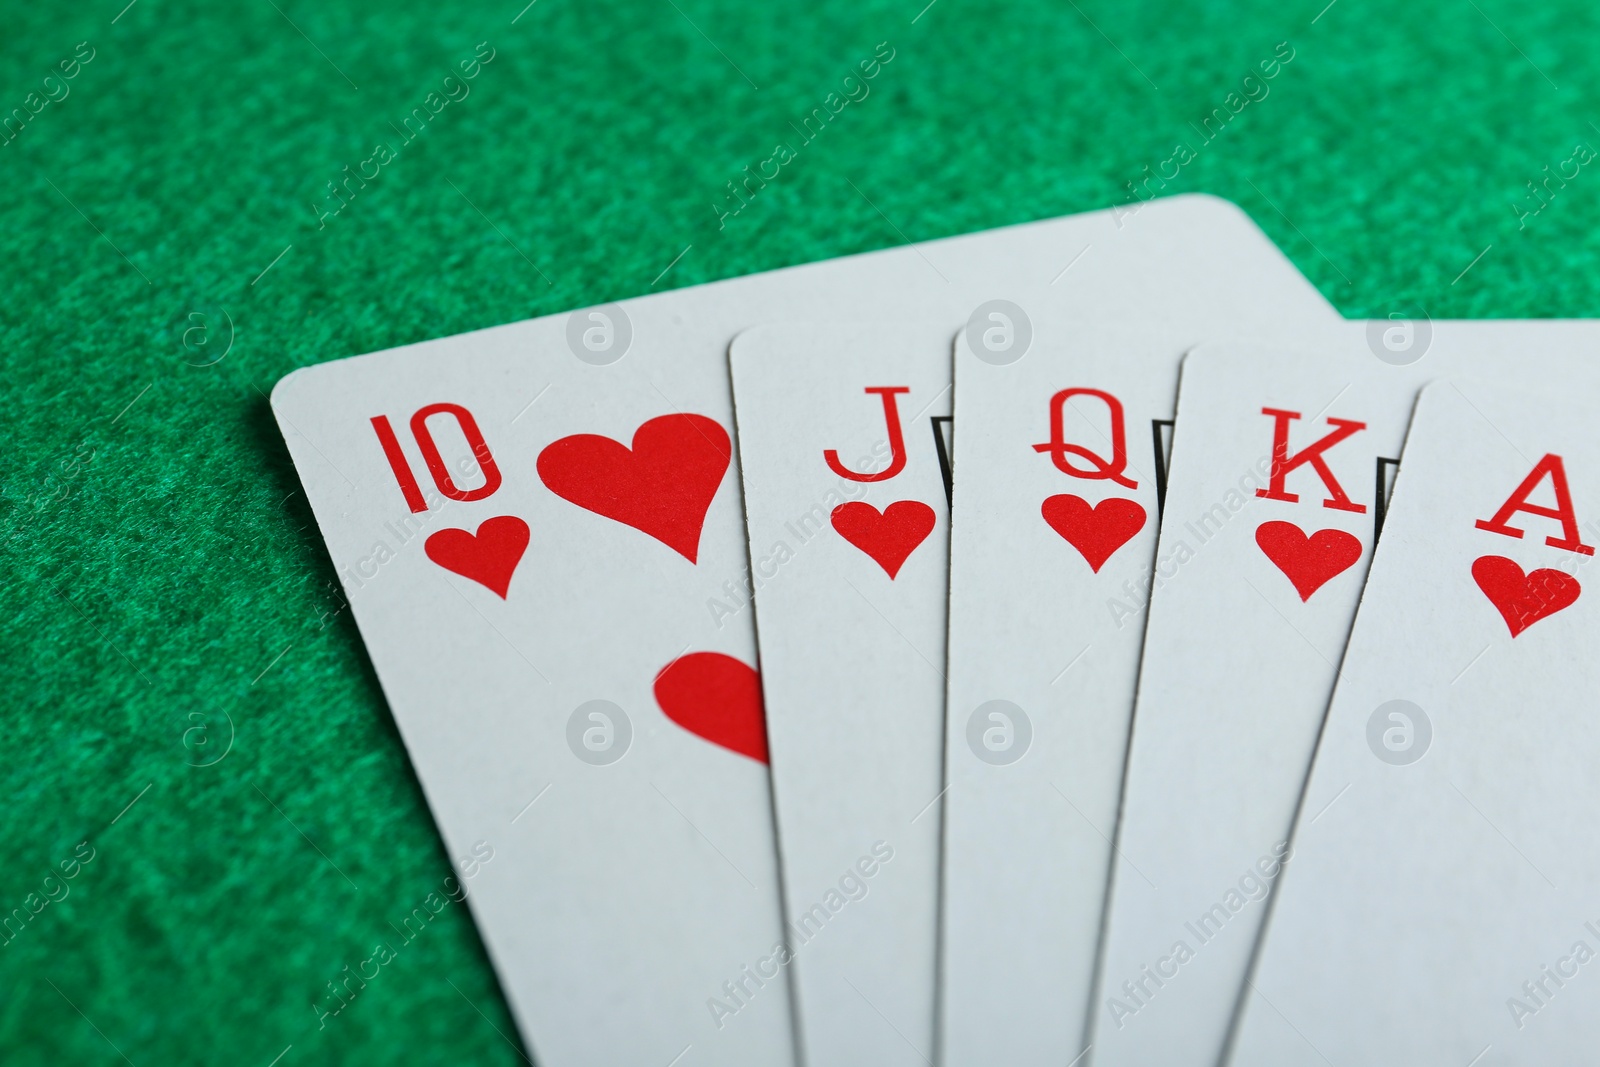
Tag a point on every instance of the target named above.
point(172, 638)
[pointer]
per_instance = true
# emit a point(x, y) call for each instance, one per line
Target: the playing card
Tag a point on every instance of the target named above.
point(849, 538)
point(541, 543)
point(852, 653)
point(1439, 907)
point(1061, 458)
point(1278, 483)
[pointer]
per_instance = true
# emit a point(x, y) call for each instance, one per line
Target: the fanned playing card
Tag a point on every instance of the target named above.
point(543, 545)
point(1280, 469)
point(1061, 463)
point(849, 538)
point(852, 632)
point(1440, 906)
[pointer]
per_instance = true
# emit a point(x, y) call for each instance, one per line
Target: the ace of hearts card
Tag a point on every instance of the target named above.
point(1280, 475)
point(1448, 823)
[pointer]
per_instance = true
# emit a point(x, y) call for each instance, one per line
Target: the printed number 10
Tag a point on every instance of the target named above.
point(430, 455)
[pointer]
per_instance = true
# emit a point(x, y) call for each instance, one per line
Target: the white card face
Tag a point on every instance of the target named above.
point(858, 745)
point(545, 519)
point(1058, 460)
point(1259, 569)
point(849, 530)
point(1441, 890)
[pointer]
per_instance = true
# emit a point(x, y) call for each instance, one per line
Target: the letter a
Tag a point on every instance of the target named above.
point(720, 1012)
point(1283, 462)
point(1562, 512)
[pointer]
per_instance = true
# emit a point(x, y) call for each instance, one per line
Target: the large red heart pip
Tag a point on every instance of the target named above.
point(715, 697)
point(488, 557)
point(662, 486)
point(1523, 600)
point(1308, 562)
point(1096, 532)
point(889, 536)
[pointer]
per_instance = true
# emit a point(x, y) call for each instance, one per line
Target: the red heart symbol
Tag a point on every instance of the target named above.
point(715, 697)
point(1096, 532)
point(888, 537)
point(1523, 600)
point(1308, 562)
point(663, 486)
point(488, 557)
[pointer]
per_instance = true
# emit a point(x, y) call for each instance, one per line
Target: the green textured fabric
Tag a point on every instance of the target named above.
point(172, 631)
